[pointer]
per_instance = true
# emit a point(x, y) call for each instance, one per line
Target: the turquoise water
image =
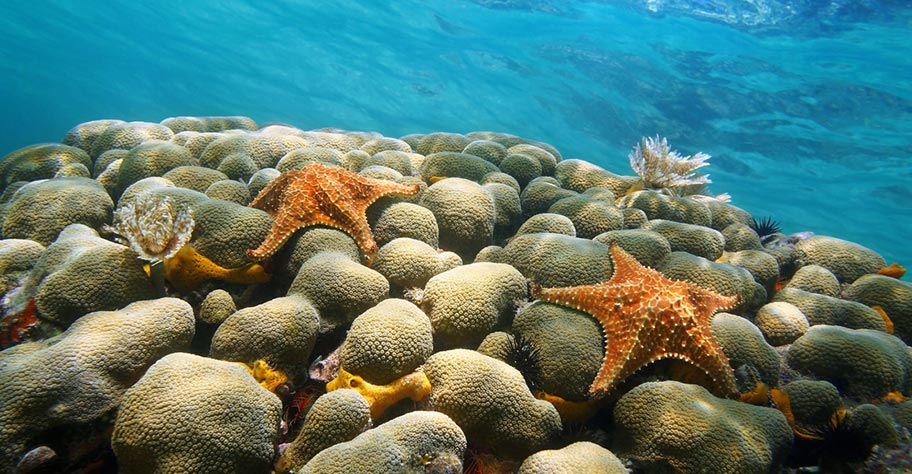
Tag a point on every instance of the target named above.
point(806, 106)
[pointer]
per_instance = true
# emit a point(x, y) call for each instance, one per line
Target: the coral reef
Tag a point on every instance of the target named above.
point(341, 308)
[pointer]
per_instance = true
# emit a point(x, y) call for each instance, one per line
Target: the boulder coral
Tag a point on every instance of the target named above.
point(408, 263)
point(522, 167)
point(814, 279)
point(386, 342)
point(694, 239)
point(264, 149)
point(81, 272)
point(822, 309)
point(745, 347)
point(335, 417)
point(197, 178)
point(437, 142)
point(763, 266)
point(507, 209)
point(862, 363)
point(487, 149)
point(448, 164)
point(579, 175)
point(194, 414)
point(590, 216)
point(281, 331)
point(847, 260)
point(892, 295)
point(224, 230)
point(42, 161)
point(209, 124)
point(740, 237)
point(417, 442)
point(312, 240)
point(659, 206)
point(547, 222)
point(813, 405)
point(127, 135)
point(468, 302)
point(568, 345)
point(557, 260)
point(673, 426)
point(151, 158)
point(719, 277)
point(579, 457)
point(41, 209)
point(781, 323)
point(229, 190)
point(546, 159)
point(465, 215)
point(17, 258)
point(540, 194)
point(84, 134)
point(648, 247)
point(79, 376)
point(338, 288)
point(298, 158)
point(489, 400)
point(216, 307)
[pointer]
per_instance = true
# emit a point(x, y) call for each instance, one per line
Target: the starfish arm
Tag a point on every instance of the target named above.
point(706, 300)
point(270, 198)
point(283, 228)
point(627, 268)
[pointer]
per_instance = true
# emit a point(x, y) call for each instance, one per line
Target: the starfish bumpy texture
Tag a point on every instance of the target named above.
point(647, 317)
point(322, 195)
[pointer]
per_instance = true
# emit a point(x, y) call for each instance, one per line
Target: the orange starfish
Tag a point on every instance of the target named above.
point(322, 195)
point(647, 317)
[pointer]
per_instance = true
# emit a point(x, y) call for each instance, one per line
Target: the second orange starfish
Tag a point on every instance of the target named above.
point(647, 317)
point(322, 195)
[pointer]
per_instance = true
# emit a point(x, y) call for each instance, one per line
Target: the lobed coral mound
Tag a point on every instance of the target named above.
point(366, 305)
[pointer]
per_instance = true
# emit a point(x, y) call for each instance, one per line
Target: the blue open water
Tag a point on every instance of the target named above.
point(806, 106)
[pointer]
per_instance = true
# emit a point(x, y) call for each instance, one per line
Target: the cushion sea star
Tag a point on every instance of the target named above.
point(647, 317)
point(322, 195)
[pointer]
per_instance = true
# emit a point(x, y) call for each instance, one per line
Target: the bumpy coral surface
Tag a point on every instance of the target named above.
point(670, 424)
point(282, 331)
point(568, 346)
point(847, 260)
point(489, 400)
point(558, 259)
point(39, 162)
point(892, 295)
point(193, 414)
point(41, 209)
point(579, 457)
point(823, 309)
point(467, 302)
point(387, 341)
point(335, 417)
point(80, 376)
point(416, 442)
point(465, 215)
point(81, 272)
point(862, 363)
point(339, 288)
point(744, 345)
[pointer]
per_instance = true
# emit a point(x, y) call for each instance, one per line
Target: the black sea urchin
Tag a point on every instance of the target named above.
point(524, 357)
point(765, 226)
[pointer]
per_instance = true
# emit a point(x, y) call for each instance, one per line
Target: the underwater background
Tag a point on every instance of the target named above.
point(805, 106)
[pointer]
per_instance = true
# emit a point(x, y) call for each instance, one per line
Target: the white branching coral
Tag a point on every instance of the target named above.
point(663, 168)
point(153, 226)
